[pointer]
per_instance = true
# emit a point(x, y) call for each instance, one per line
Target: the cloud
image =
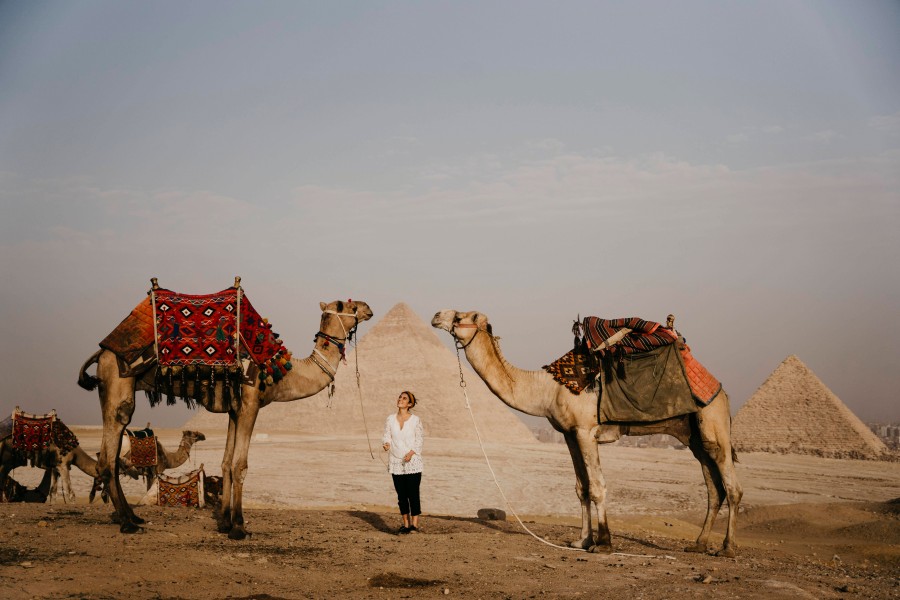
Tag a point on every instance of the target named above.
point(886, 123)
point(824, 137)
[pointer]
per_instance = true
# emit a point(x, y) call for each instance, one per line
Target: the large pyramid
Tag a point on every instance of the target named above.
point(400, 352)
point(793, 412)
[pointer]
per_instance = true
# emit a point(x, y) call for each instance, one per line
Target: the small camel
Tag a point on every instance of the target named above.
point(309, 376)
point(166, 460)
point(58, 465)
point(707, 433)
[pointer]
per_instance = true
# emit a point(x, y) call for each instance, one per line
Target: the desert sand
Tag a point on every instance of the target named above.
point(323, 519)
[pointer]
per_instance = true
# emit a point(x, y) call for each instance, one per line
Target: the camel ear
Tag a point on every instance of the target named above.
point(322, 306)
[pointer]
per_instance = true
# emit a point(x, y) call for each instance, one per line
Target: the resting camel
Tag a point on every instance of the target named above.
point(707, 433)
point(164, 459)
point(308, 376)
point(56, 464)
point(13, 491)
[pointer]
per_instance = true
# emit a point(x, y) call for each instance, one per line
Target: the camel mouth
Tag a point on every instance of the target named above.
point(439, 322)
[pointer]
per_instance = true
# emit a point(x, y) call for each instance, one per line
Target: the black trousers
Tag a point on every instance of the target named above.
point(407, 487)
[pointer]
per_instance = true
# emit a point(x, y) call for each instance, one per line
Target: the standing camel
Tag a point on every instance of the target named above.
point(166, 460)
point(707, 433)
point(307, 377)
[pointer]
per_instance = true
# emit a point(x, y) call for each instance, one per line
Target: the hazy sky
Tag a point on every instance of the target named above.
point(734, 163)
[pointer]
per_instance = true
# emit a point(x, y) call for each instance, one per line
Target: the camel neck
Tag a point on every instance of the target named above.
point(526, 391)
point(308, 376)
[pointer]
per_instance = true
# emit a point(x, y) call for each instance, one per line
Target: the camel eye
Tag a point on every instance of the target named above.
point(340, 306)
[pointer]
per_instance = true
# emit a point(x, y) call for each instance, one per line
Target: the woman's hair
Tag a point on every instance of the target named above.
point(411, 396)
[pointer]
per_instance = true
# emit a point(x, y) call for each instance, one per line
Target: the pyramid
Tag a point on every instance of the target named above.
point(400, 352)
point(793, 412)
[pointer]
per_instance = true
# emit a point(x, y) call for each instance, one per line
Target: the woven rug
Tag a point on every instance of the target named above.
point(143, 448)
point(644, 336)
point(704, 386)
point(32, 433)
point(186, 490)
point(64, 438)
point(572, 371)
point(133, 335)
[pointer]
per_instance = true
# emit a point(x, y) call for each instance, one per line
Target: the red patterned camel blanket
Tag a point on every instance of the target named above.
point(672, 379)
point(31, 434)
point(143, 447)
point(197, 341)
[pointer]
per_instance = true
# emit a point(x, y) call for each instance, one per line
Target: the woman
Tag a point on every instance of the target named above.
point(403, 438)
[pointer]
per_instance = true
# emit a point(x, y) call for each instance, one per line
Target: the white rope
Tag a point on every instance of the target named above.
point(462, 384)
point(362, 408)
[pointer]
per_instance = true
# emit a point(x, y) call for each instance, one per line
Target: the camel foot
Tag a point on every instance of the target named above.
point(726, 552)
point(223, 527)
point(238, 533)
point(697, 548)
point(601, 549)
point(130, 528)
point(584, 544)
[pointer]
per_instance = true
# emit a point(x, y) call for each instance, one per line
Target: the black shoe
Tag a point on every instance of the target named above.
point(403, 530)
point(413, 529)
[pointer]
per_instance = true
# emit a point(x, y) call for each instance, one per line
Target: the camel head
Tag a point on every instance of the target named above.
point(339, 318)
point(463, 326)
point(194, 436)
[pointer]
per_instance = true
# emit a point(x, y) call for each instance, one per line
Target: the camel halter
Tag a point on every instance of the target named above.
point(462, 384)
point(322, 361)
point(348, 338)
point(459, 344)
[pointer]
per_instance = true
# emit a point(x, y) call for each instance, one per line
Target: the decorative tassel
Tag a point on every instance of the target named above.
point(211, 392)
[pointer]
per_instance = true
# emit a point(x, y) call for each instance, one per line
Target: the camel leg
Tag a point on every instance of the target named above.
point(245, 423)
point(117, 405)
point(712, 447)
point(66, 484)
point(224, 510)
point(581, 490)
point(590, 452)
point(590, 487)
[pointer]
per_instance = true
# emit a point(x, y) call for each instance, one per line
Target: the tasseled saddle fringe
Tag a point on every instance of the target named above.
point(195, 383)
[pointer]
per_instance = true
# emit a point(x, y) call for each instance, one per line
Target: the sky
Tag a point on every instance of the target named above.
point(736, 164)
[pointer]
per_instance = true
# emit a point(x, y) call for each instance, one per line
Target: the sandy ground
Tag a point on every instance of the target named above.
point(323, 522)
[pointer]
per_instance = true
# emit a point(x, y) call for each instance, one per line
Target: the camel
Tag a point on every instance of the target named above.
point(12, 491)
point(54, 462)
point(307, 377)
point(165, 459)
point(707, 433)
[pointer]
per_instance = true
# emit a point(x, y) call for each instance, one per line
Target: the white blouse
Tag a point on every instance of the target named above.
point(402, 440)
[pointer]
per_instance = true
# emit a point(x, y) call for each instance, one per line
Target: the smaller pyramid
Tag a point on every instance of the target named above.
point(793, 412)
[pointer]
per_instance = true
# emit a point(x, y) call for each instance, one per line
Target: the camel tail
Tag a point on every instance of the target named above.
point(89, 382)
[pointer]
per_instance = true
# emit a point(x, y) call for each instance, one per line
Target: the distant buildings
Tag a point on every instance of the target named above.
point(888, 432)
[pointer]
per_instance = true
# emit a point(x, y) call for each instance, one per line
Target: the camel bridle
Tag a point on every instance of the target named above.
point(339, 342)
point(459, 325)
